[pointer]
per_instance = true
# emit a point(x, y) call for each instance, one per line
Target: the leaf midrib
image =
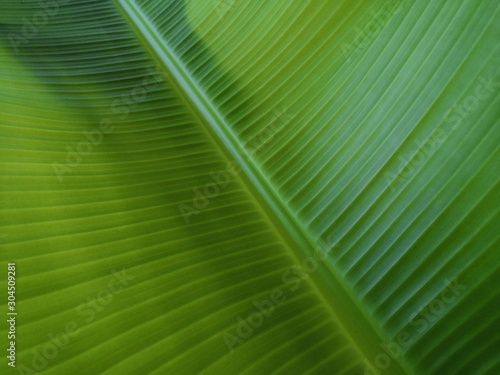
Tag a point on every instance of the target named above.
point(356, 323)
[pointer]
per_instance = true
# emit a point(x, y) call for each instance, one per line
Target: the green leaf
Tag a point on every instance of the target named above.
point(251, 187)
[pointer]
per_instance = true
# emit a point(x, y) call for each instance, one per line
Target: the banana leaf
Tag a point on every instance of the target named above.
point(250, 187)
